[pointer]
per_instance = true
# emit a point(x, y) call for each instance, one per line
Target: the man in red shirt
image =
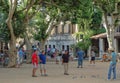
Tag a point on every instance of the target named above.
point(35, 62)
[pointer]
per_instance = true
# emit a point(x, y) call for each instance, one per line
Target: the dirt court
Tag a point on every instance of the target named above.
point(88, 74)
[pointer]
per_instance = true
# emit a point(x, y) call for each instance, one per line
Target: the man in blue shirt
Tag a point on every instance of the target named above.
point(80, 55)
point(112, 67)
point(42, 58)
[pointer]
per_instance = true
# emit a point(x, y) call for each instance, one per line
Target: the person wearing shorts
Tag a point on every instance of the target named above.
point(42, 58)
point(92, 57)
point(34, 62)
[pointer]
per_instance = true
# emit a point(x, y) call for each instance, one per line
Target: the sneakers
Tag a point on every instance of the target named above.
point(66, 74)
point(44, 75)
point(111, 79)
point(34, 76)
point(79, 67)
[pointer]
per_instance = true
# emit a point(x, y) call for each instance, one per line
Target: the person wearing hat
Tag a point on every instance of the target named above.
point(112, 66)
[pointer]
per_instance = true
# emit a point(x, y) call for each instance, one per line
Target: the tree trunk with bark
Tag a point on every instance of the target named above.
point(110, 30)
point(12, 51)
point(28, 49)
point(12, 54)
point(42, 44)
point(26, 36)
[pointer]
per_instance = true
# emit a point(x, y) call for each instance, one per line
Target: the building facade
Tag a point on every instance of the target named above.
point(62, 37)
point(100, 41)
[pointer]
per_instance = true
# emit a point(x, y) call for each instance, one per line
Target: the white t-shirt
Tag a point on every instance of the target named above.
point(92, 54)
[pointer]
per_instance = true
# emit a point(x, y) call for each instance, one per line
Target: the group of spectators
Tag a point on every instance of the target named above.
point(113, 61)
point(65, 60)
point(41, 58)
point(4, 58)
point(64, 57)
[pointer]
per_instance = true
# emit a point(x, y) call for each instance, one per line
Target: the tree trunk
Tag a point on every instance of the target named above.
point(110, 38)
point(1, 47)
point(42, 44)
point(26, 37)
point(12, 53)
point(22, 44)
point(28, 49)
point(110, 30)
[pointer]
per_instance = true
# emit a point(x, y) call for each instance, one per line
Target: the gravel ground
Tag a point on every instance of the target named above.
point(88, 74)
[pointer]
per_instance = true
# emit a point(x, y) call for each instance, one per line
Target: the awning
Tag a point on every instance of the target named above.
point(104, 35)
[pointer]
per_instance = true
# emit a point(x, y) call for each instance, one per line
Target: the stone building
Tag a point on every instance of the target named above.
point(62, 37)
point(100, 41)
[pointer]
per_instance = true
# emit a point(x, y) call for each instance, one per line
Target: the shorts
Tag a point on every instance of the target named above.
point(92, 58)
point(42, 66)
point(19, 60)
point(58, 58)
point(35, 65)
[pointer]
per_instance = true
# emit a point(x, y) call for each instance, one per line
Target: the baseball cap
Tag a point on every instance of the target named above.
point(34, 49)
point(111, 49)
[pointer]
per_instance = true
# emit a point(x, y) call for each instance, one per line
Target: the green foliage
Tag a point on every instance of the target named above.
point(85, 41)
point(78, 11)
point(86, 18)
point(4, 32)
point(108, 6)
point(18, 24)
point(17, 21)
point(40, 27)
point(4, 7)
point(96, 18)
point(41, 32)
point(99, 30)
point(85, 11)
point(84, 45)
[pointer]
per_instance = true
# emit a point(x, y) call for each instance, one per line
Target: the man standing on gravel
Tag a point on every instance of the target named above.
point(35, 62)
point(65, 60)
point(80, 55)
point(42, 58)
point(112, 67)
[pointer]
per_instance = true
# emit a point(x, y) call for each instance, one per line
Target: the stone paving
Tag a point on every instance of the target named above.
point(88, 74)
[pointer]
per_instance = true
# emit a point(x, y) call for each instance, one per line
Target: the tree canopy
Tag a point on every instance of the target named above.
point(19, 18)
